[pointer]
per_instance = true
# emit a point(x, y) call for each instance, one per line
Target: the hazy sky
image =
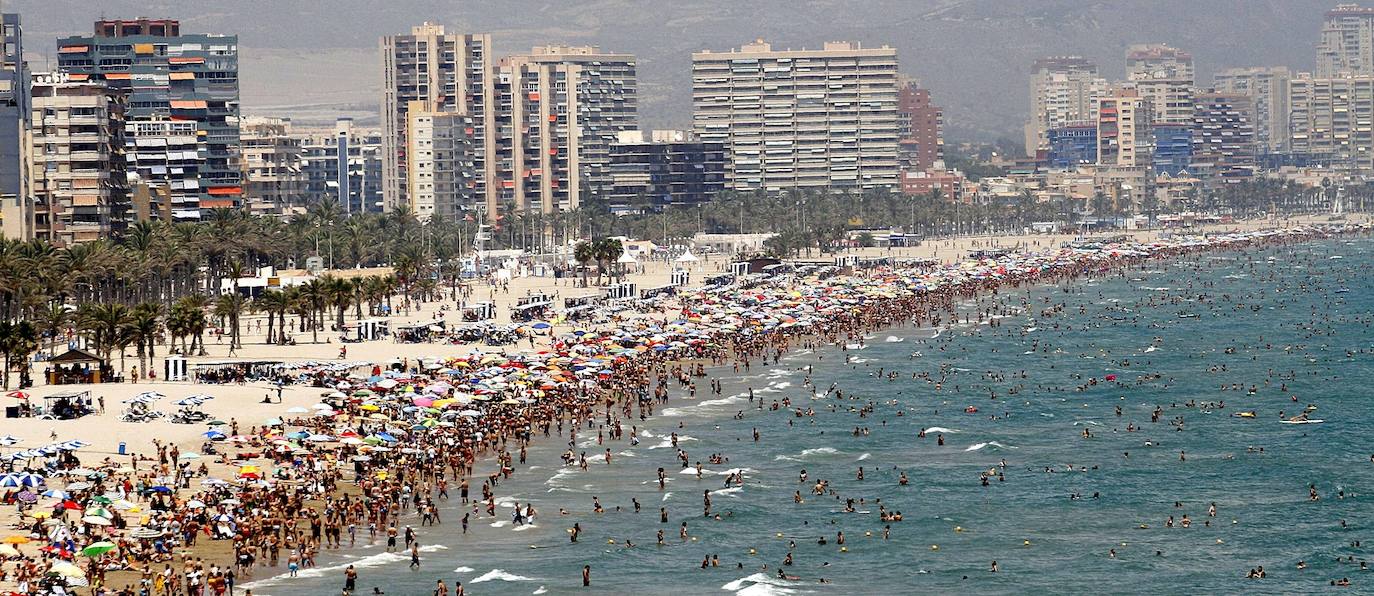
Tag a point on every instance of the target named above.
point(313, 57)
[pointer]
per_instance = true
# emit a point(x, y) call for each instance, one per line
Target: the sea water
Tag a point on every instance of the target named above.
point(1290, 319)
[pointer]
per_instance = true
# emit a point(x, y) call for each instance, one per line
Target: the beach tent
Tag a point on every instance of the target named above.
point(687, 257)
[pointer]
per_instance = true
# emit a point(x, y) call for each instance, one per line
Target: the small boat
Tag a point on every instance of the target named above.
point(1342, 290)
point(1187, 315)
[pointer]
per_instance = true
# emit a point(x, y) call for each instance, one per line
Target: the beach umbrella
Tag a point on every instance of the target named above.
point(159, 489)
point(16, 539)
point(95, 520)
point(195, 504)
point(27, 496)
point(22, 479)
point(8, 550)
point(213, 482)
point(217, 423)
point(8, 441)
point(213, 435)
point(17, 395)
point(297, 410)
point(95, 549)
point(319, 438)
point(190, 455)
point(102, 499)
point(98, 512)
point(56, 494)
point(147, 533)
point(65, 569)
point(78, 485)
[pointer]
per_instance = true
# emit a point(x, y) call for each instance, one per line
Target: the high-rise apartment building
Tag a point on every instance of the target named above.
point(1164, 76)
point(16, 204)
point(668, 168)
point(1267, 87)
point(1224, 145)
point(170, 76)
point(1331, 118)
point(439, 162)
point(1072, 146)
point(1062, 92)
point(272, 179)
point(558, 111)
point(440, 72)
point(921, 141)
point(1124, 129)
point(343, 164)
point(1346, 45)
point(79, 181)
point(800, 118)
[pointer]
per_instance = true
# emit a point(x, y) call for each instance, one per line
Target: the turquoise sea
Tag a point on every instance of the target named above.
point(1189, 338)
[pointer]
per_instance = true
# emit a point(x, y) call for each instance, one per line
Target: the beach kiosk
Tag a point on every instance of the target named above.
point(76, 366)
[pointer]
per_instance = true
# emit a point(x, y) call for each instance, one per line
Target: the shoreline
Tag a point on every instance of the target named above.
point(875, 311)
point(820, 341)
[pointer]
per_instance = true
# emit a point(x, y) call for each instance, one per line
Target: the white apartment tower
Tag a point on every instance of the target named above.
point(444, 73)
point(558, 111)
point(1267, 87)
point(800, 118)
point(1346, 45)
point(1164, 76)
point(1062, 92)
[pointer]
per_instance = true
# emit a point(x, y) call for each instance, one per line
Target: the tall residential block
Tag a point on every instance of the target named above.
point(440, 72)
point(668, 168)
point(439, 162)
point(1062, 92)
point(1124, 129)
point(1072, 146)
point(1331, 119)
point(1164, 76)
point(272, 179)
point(558, 111)
point(343, 164)
point(79, 180)
point(921, 141)
point(16, 204)
point(1224, 148)
point(800, 118)
point(1267, 87)
point(171, 77)
point(1346, 44)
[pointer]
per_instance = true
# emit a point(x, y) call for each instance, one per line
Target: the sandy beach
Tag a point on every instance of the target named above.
point(253, 404)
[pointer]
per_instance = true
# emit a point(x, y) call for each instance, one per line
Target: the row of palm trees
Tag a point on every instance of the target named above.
point(162, 279)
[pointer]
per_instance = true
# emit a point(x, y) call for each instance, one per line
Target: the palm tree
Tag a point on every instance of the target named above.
point(313, 299)
point(103, 325)
point(18, 339)
point(145, 326)
point(52, 323)
point(338, 293)
point(274, 303)
point(230, 307)
point(584, 252)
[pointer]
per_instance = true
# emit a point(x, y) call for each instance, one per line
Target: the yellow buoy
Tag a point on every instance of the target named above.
point(779, 534)
point(694, 539)
point(1025, 543)
point(958, 528)
point(610, 541)
point(934, 547)
point(753, 552)
point(869, 533)
point(844, 549)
